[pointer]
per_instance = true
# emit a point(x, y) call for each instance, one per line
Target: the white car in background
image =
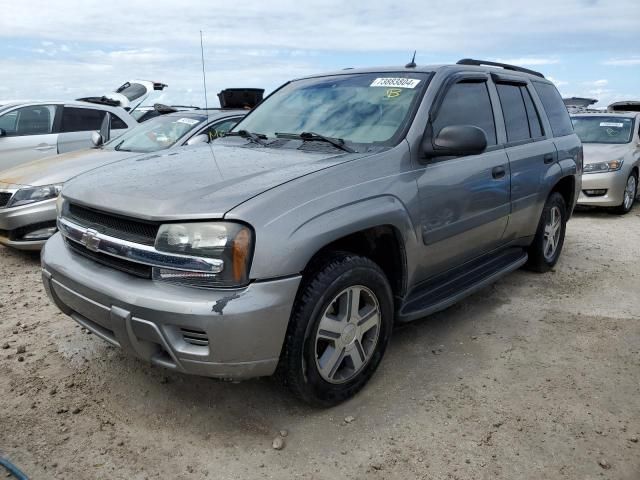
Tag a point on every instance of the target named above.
point(33, 130)
point(611, 142)
point(28, 192)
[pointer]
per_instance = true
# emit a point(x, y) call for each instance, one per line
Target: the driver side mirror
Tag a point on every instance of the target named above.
point(455, 141)
point(202, 138)
point(3, 132)
point(97, 139)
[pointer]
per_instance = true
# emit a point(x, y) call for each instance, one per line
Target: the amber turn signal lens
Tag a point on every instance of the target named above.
point(240, 254)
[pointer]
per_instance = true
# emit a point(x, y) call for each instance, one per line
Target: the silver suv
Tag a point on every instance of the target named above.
point(343, 203)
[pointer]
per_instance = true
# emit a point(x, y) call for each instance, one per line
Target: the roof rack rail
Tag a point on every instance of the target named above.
point(506, 66)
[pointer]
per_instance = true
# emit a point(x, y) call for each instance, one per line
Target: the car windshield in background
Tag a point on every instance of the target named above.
point(361, 109)
point(156, 134)
point(599, 129)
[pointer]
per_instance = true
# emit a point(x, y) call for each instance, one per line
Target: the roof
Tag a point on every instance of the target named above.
point(73, 103)
point(431, 69)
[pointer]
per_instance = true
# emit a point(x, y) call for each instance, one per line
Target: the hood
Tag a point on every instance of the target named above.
point(60, 168)
point(602, 152)
point(195, 183)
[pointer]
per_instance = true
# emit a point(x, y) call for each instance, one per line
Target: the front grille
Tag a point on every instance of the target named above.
point(133, 268)
point(125, 228)
point(195, 336)
point(4, 198)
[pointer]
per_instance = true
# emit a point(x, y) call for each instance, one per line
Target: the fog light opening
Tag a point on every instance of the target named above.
point(40, 234)
point(599, 192)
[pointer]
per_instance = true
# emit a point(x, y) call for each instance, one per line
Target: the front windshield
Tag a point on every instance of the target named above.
point(358, 108)
point(601, 129)
point(155, 134)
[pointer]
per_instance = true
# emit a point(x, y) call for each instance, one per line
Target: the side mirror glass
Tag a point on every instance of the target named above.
point(202, 138)
point(97, 139)
point(456, 140)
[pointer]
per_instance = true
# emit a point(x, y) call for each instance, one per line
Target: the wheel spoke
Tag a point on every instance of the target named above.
point(368, 321)
point(330, 361)
point(354, 305)
point(357, 356)
point(330, 327)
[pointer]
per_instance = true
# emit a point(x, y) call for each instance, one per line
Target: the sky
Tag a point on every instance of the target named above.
point(58, 50)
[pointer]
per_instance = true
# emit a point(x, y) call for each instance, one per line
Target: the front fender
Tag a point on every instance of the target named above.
point(280, 253)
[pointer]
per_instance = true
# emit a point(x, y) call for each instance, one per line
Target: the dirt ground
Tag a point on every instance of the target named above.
point(536, 377)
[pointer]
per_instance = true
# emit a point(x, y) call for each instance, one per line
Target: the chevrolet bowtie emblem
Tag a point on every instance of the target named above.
point(90, 240)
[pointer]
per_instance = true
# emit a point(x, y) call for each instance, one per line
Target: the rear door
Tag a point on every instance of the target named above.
point(464, 201)
point(29, 134)
point(76, 127)
point(530, 150)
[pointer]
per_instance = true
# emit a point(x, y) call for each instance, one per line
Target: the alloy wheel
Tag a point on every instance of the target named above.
point(552, 231)
point(347, 334)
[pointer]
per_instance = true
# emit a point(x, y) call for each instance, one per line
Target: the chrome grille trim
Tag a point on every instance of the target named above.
point(135, 252)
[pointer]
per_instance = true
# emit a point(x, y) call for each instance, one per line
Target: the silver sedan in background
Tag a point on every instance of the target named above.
point(28, 192)
point(611, 159)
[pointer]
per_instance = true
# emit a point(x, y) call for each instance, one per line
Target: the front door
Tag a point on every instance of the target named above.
point(464, 200)
point(28, 135)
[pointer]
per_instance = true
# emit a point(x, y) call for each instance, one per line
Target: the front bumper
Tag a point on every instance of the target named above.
point(15, 222)
point(613, 182)
point(238, 333)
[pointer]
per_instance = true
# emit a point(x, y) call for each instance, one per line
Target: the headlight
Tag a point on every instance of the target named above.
point(229, 243)
point(602, 167)
point(28, 195)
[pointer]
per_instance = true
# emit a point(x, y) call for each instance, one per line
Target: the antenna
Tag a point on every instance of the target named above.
point(412, 63)
point(204, 75)
point(206, 105)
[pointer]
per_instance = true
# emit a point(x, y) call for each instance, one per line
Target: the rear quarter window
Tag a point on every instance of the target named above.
point(554, 108)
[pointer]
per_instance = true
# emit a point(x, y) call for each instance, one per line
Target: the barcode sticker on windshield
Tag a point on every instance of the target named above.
point(395, 82)
point(188, 121)
point(611, 124)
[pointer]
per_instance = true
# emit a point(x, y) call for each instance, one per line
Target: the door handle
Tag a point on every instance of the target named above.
point(548, 158)
point(498, 172)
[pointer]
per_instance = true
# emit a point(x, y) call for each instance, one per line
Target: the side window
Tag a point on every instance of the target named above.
point(218, 130)
point(81, 119)
point(514, 112)
point(33, 120)
point(467, 103)
point(554, 108)
point(117, 123)
point(532, 114)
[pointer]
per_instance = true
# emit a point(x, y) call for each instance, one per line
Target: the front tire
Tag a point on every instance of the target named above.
point(339, 329)
point(545, 250)
point(629, 197)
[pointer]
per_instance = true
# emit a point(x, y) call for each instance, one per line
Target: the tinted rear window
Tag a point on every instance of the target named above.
point(555, 109)
point(81, 119)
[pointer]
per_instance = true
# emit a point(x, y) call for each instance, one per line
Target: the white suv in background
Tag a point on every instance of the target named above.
point(33, 130)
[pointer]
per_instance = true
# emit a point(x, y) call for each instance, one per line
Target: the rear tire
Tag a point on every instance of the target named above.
point(545, 250)
point(339, 329)
point(630, 193)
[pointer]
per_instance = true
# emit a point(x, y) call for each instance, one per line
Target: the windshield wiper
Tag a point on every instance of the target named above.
point(258, 138)
point(336, 142)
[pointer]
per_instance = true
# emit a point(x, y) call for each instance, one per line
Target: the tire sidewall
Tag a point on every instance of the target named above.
point(622, 207)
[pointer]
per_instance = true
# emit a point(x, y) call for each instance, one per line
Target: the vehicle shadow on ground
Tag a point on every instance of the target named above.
point(423, 353)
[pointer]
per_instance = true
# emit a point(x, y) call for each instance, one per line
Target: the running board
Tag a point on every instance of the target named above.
point(446, 289)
